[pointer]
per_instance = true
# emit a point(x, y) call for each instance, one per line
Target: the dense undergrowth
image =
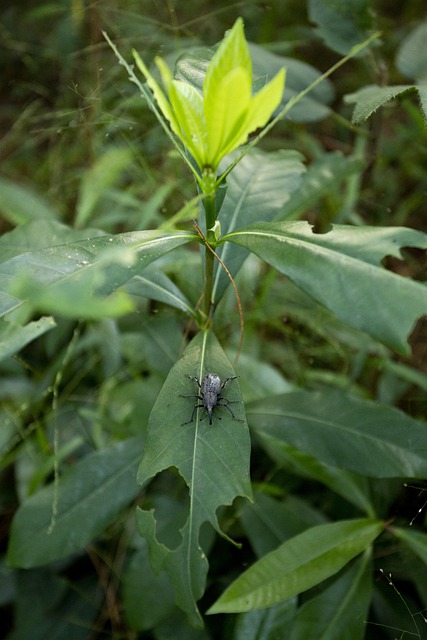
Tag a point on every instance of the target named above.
point(299, 513)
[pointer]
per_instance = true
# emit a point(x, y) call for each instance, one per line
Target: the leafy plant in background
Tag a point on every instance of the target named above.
point(328, 435)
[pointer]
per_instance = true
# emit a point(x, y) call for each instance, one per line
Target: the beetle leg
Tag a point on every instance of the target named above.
point(196, 406)
point(227, 380)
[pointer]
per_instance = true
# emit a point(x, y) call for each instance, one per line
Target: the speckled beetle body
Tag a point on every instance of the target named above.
point(209, 395)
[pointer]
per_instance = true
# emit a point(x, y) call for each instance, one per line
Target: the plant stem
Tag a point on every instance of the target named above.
point(210, 216)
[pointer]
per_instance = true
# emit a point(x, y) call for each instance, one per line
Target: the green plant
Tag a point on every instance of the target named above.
point(314, 433)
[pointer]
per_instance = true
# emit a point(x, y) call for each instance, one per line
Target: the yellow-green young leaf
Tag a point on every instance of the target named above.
point(226, 113)
point(298, 564)
point(265, 102)
point(160, 97)
point(187, 104)
point(232, 52)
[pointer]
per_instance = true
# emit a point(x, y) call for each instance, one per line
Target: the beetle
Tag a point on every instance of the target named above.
point(209, 396)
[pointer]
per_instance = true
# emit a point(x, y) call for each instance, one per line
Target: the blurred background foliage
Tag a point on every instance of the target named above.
point(80, 145)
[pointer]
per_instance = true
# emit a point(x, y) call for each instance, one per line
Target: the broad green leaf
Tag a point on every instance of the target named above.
point(265, 624)
point(212, 459)
point(342, 431)
point(156, 285)
point(268, 522)
point(411, 59)
point(90, 495)
point(340, 611)
point(297, 565)
point(47, 606)
point(258, 187)
point(323, 176)
point(76, 279)
point(19, 204)
point(102, 175)
point(341, 270)
point(342, 25)
point(14, 337)
point(350, 486)
point(370, 98)
point(414, 540)
point(39, 234)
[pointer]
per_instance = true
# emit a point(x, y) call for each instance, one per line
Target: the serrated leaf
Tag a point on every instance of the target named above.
point(76, 279)
point(344, 432)
point(212, 459)
point(298, 564)
point(341, 270)
point(90, 494)
point(340, 611)
point(370, 98)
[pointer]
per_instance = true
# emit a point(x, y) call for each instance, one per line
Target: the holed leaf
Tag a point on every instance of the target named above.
point(212, 459)
point(341, 269)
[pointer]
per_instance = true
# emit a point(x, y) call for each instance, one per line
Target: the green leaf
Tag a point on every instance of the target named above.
point(370, 98)
point(187, 104)
point(266, 624)
point(39, 234)
point(350, 486)
point(342, 25)
point(14, 337)
point(341, 270)
point(76, 279)
point(157, 603)
point(212, 459)
point(226, 114)
point(411, 59)
point(323, 176)
point(90, 495)
point(297, 565)
point(156, 285)
point(102, 175)
point(258, 187)
point(416, 541)
point(299, 76)
point(344, 432)
point(340, 611)
point(268, 522)
point(19, 204)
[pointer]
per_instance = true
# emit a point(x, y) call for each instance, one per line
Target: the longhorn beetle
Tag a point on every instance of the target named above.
point(209, 396)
